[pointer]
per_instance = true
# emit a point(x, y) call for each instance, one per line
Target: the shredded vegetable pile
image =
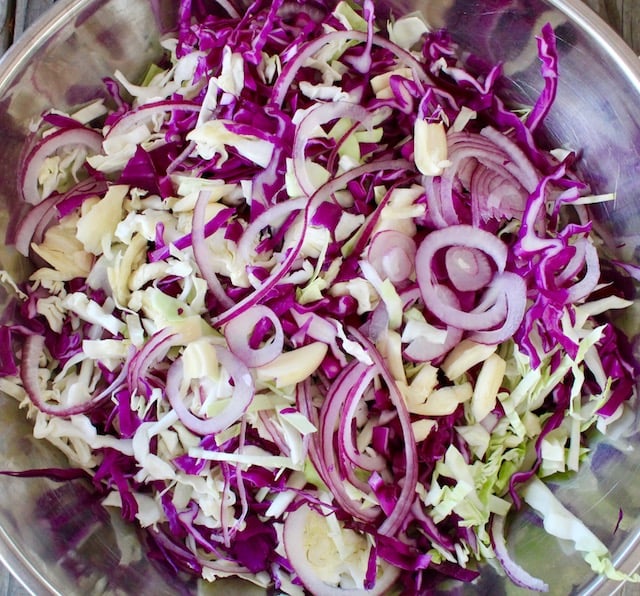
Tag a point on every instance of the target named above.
point(313, 306)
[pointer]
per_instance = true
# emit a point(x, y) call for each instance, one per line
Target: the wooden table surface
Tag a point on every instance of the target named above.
point(622, 15)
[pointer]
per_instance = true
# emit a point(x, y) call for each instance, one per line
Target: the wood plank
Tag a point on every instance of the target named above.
point(623, 16)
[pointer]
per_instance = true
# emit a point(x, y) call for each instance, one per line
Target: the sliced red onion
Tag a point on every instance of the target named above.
point(514, 290)
point(495, 171)
point(49, 145)
point(468, 268)
point(242, 395)
point(395, 520)
point(238, 331)
point(146, 112)
point(41, 214)
point(344, 419)
point(378, 323)
point(410, 296)
point(297, 546)
point(238, 523)
point(493, 193)
point(348, 386)
point(520, 165)
point(392, 254)
point(489, 313)
point(314, 118)
point(274, 216)
point(581, 289)
point(33, 226)
point(514, 572)
point(311, 441)
point(492, 150)
point(346, 439)
point(154, 350)
point(464, 236)
point(502, 306)
point(440, 208)
point(201, 252)
point(32, 349)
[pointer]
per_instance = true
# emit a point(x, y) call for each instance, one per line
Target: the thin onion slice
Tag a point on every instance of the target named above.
point(514, 572)
point(500, 309)
point(392, 254)
point(314, 118)
point(147, 112)
point(238, 403)
point(393, 522)
point(294, 539)
point(154, 350)
point(32, 349)
point(69, 137)
point(238, 331)
point(348, 386)
point(468, 268)
point(514, 289)
point(42, 214)
point(491, 167)
point(32, 227)
point(462, 235)
point(201, 252)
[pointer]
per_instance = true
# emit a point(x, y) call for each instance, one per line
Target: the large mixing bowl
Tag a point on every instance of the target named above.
point(55, 539)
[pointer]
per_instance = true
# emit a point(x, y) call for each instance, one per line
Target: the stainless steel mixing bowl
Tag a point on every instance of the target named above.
point(55, 539)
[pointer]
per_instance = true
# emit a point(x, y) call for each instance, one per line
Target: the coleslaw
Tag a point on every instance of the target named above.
point(313, 307)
